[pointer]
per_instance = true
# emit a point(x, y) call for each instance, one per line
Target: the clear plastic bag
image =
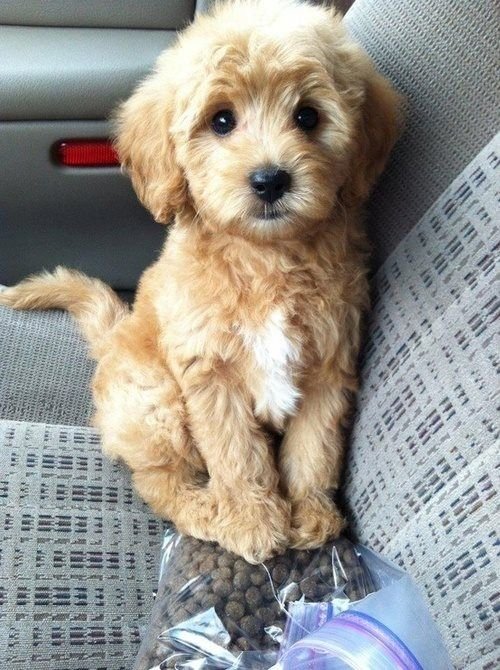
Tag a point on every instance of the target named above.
point(213, 610)
point(339, 607)
point(389, 629)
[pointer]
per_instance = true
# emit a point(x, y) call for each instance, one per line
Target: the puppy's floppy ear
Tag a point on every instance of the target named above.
point(378, 128)
point(146, 148)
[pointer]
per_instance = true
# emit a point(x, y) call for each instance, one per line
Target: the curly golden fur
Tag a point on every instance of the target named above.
point(249, 322)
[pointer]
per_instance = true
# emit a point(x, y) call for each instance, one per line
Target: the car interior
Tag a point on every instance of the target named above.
point(79, 553)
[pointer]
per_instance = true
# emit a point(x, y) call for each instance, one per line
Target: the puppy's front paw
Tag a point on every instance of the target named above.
point(256, 531)
point(315, 520)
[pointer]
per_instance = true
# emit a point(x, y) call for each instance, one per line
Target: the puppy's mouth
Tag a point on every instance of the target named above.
point(271, 213)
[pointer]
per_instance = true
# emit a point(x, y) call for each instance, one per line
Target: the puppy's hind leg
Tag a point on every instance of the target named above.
point(142, 419)
point(177, 492)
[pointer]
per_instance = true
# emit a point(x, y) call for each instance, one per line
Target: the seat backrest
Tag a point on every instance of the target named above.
point(421, 482)
point(443, 56)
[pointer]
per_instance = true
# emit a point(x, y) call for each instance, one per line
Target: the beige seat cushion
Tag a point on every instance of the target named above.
point(423, 478)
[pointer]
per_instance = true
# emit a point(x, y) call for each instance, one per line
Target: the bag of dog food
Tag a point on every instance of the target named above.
point(338, 607)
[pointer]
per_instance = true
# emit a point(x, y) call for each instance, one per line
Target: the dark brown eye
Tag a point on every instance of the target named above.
point(223, 122)
point(306, 118)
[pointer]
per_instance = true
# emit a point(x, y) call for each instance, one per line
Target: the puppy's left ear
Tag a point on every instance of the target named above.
point(378, 128)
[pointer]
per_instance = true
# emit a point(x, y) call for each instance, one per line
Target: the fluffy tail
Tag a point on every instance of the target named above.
point(94, 305)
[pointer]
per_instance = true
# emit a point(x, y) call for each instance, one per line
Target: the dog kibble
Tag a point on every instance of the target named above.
point(241, 565)
point(244, 644)
point(233, 628)
point(241, 580)
point(208, 600)
point(200, 576)
point(267, 591)
point(224, 573)
point(291, 593)
point(192, 573)
point(308, 588)
point(280, 573)
point(207, 566)
point(251, 625)
point(192, 607)
point(295, 575)
point(258, 578)
point(253, 598)
point(323, 590)
point(239, 596)
point(235, 610)
point(222, 588)
point(266, 615)
point(325, 570)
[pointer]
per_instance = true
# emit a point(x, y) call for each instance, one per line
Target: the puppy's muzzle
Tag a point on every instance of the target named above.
point(270, 184)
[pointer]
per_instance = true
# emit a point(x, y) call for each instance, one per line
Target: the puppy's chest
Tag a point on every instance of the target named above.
point(274, 353)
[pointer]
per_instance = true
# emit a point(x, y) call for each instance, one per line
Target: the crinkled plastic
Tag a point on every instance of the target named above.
point(340, 607)
point(215, 610)
point(389, 629)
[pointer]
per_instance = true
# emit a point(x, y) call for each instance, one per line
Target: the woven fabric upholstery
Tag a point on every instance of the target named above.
point(44, 368)
point(443, 55)
point(79, 552)
point(423, 478)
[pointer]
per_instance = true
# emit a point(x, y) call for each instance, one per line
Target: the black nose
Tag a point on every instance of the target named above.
point(270, 183)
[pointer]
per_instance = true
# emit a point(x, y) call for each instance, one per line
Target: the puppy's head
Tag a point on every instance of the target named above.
point(261, 118)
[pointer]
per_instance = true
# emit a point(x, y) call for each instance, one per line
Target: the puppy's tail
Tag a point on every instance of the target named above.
point(95, 306)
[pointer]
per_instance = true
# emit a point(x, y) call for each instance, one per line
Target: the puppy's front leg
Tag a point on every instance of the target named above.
point(252, 519)
point(310, 465)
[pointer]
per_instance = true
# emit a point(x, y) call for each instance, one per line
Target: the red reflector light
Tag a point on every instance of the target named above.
point(86, 153)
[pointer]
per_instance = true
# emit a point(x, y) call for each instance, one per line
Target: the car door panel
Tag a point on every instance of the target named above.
point(64, 66)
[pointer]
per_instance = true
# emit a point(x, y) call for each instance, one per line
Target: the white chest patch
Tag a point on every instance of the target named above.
point(275, 356)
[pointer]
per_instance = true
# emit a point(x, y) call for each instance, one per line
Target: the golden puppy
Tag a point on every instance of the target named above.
point(260, 134)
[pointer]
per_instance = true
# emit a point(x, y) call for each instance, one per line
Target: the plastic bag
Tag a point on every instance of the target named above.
point(213, 610)
point(388, 629)
point(336, 608)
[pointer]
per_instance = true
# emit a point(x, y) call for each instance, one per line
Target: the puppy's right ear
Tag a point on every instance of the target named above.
point(146, 148)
